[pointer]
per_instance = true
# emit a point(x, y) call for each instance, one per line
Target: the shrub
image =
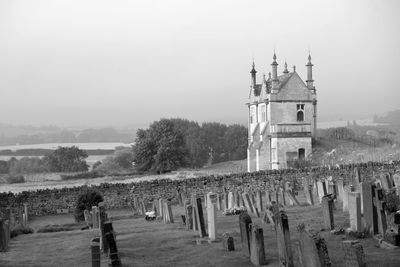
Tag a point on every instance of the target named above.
point(81, 175)
point(392, 202)
point(15, 179)
point(86, 200)
point(19, 230)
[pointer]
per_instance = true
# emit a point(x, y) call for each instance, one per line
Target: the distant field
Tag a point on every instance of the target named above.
point(343, 123)
point(85, 146)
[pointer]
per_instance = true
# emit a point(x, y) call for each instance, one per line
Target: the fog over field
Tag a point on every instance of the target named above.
point(97, 63)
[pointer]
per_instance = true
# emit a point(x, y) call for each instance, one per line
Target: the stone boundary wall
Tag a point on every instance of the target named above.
point(119, 195)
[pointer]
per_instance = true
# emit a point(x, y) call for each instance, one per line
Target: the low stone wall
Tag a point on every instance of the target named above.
point(53, 201)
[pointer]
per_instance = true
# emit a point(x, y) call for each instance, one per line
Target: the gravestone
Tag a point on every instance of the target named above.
point(353, 254)
point(102, 219)
point(368, 211)
point(282, 197)
point(230, 200)
point(321, 190)
point(385, 181)
point(340, 190)
point(226, 200)
point(95, 217)
point(236, 197)
point(327, 211)
point(189, 217)
point(228, 242)
point(26, 213)
point(259, 201)
point(355, 211)
point(257, 251)
point(244, 223)
point(379, 204)
point(168, 216)
point(247, 203)
point(212, 216)
point(200, 218)
point(219, 200)
point(396, 180)
point(309, 194)
point(313, 249)
point(283, 237)
point(267, 197)
point(112, 244)
point(95, 252)
point(345, 203)
point(161, 207)
point(194, 212)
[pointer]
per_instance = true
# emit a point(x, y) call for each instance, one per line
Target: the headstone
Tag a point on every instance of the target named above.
point(282, 197)
point(95, 217)
point(194, 212)
point(396, 180)
point(247, 203)
point(231, 203)
point(259, 201)
point(346, 199)
point(161, 207)
point(169, 218)
point(321, 191)
point(327, 211)
point(257, 251)
point(385, 181)
point(236, 197)
point(313, 249)
point(212, 217)
point(219, 200)
point(200, 218)
point(102, 220)
point(353, 254)
point(112, 244)
point(267, 197)
point(379, 204)
point(211, 199)
point(283, 237)
point(95, 252)
point(309, 195)
point(26, 213)
point(368, 211)
point(355, 211)
point(340, 190)
point(189, 217)
point(244, 223)
point(226, 200)
point(228, 242)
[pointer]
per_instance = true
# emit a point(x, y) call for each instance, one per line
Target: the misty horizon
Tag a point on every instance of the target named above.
point(102, 63)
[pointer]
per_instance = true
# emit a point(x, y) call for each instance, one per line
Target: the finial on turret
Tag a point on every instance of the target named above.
point(294, 68)
point(264, 80)
point(253, 70)
point(285, 70)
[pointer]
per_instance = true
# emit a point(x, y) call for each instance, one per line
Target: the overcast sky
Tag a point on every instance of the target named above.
point(97, 62)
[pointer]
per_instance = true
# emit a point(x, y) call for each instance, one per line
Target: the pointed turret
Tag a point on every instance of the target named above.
point(253, 73)
point(310, 80)
point(274, 73)
point(285, 71)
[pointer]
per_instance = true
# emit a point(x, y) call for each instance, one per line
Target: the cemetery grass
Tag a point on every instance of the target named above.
point(143, 243)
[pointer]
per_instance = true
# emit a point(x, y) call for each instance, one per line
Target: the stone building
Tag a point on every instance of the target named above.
point(282, 118)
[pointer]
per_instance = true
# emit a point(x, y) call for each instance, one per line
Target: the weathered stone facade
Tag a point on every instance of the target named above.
point(282, 118)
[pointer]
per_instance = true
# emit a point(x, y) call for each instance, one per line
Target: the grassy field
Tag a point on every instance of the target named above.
point(143, 243)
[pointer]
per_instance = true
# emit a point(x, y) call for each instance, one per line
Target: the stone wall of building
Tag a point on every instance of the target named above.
point(53, 201)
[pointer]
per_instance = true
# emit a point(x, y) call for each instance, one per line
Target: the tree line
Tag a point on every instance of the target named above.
point(169, 144)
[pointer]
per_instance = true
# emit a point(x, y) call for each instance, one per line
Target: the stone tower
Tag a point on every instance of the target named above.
point(282, 118)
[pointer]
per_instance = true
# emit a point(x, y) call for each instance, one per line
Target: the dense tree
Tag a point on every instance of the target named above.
point(172, 143)
point(67, 159)
point(28, 165)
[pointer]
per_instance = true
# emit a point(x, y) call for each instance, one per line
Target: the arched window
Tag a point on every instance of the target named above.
point(300, 115)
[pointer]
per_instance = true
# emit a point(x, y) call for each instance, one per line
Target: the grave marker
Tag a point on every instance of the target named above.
point(257, 251)
point(228, 242)
point(379, 204)
point(244, 223)
point(353, 254)
point(283, 237)
point(313, 249)
point(355, 211)
point(327, 211)
point(189, 217)
point(368, 211)
point(95, 252)
point(212, 216)
point(200, 218)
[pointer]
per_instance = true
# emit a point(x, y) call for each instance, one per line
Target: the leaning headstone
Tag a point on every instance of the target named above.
point(169, 218)
point(212, 216)
point(346, 199)
point(200, 218)
point(282, 196)
point(247, 203)
point(313, 249)
point(219, 200)
point(161, 207)
point(228, 242)
point(194, 212)
point(267, 197)
point(283, 237)
point(257, 251)
point(385, 181)
point(353, 254)
point(236, 197)
point(355, 211)
point(327, 211)
point(244, 223)
point(396, 180)
point(259, 201)
point(95, 251)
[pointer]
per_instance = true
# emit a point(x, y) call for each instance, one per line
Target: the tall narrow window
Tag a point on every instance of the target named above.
point(300, 112)
point(263, 114)
point(302, 153)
